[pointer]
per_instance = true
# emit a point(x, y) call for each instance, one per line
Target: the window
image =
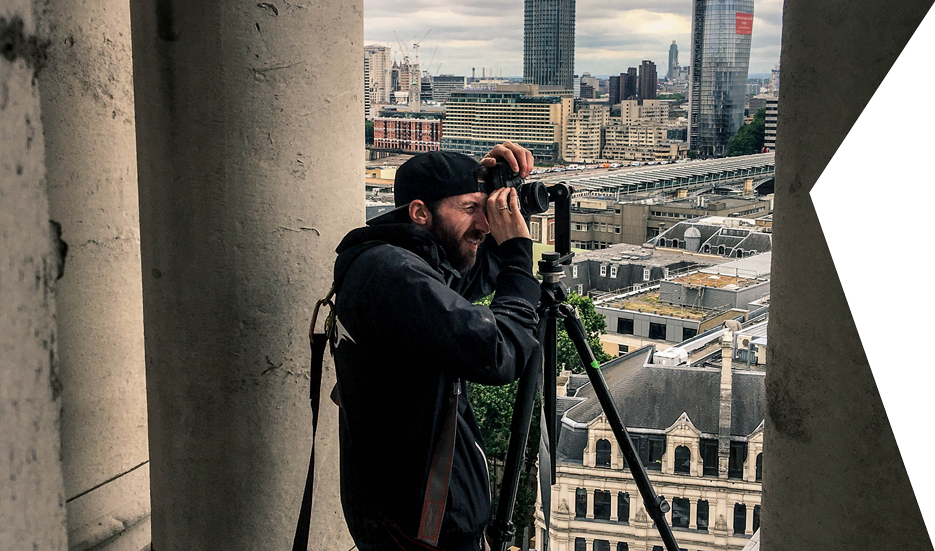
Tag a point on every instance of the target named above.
point(534, 231)
point(604, 270)
point(709, 456)
point(613, 271)
point(688, 332)
point(601, 545)
point(581, 503)
point(675, 243)
point(623, 507)
point(551, 231)
point(623, 546)
point(625, 326)
point(681, 512)
point(602, 504)
point(574, 271)
point(759, 467)
point(756, 518)
point(603, 453)
point(646, 273)
point(616, 229)
point(701, 515)
point(740, 518)
point(738, 454)
point(650, 449)
point(683, 460)
point(622, 350)
point(580, 290)
point(580, 545)
point(657, 331)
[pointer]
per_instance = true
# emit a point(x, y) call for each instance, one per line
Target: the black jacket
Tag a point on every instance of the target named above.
point(406, 328)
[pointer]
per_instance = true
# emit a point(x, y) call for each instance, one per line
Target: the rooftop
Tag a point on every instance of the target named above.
point(649, 303)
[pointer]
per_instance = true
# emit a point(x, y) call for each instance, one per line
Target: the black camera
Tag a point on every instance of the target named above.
point(533, 196)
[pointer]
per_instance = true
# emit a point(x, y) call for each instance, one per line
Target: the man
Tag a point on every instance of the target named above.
point(407, 337)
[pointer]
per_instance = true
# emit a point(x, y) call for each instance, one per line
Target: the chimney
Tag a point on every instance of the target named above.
point(723, 433)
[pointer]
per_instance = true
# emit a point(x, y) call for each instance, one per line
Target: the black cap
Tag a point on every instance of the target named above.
point(430, 176)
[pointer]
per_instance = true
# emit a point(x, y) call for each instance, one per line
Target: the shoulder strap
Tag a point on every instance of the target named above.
point(436, 487)
point(317, 342)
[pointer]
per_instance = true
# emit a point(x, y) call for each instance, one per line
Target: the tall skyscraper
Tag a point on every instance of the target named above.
point(673, 69)
point(720, 58)
point(614, 89)
point(628, 84)
point(377, 85)
point(648, 80)
point(549, 43)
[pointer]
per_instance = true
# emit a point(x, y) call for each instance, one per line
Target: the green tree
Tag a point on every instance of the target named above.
point(594, 325)
point(749, 139)
point(368, 132)
point(493, 409)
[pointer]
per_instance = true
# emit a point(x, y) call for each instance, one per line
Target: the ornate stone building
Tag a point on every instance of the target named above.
point(702, 452)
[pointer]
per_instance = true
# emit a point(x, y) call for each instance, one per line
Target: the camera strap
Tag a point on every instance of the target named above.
point(317, 342)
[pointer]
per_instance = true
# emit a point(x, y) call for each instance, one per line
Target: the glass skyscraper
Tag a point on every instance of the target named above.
point(720, 59)
point(549, 43)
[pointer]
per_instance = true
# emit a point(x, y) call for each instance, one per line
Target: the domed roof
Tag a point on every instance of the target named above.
point(692, 232)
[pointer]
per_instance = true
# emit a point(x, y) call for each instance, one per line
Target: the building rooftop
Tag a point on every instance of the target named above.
point(649, 303)
point(623, 253)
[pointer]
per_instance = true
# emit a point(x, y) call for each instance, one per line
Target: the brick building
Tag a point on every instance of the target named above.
point(407, 134)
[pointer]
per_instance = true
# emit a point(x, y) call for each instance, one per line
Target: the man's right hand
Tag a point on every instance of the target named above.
point(504, 217)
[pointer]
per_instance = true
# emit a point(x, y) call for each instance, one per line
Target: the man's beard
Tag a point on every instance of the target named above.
point(460, 256)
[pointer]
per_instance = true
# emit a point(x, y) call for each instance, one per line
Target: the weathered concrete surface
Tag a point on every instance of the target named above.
point(249, 149)
point(87, 114)
point(32, 498)
point(833, 476)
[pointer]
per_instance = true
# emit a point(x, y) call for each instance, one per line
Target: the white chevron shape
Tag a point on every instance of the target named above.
point(876, 203)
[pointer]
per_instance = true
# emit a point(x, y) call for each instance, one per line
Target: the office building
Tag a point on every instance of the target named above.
point(720, 57)
point(629, 84)
point(444, 85)
point(410, 134)
point(477, 120)
point(772, 118)
point(583, 142)
point(673, 68)
point(549, 42)
point(376, 78)
point(613, 92)
point(648, 80)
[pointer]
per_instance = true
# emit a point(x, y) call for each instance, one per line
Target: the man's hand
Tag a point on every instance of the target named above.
point(518, 157)
point(504, 217)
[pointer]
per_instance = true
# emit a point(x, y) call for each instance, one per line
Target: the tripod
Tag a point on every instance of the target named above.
point(553, 307)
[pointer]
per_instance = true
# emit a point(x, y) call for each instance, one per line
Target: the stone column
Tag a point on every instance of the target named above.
point(613, 504)
point(838, 443)
point(32, 496)
point(87, 113)
point(749, 520)
point(591, 504)
point(250, 147)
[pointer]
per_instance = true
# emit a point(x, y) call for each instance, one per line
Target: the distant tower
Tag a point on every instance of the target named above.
point(720, 58)
point(473, 74)
point(648, 80)
point(628, 84)
point(673, 69)
point(549, 43)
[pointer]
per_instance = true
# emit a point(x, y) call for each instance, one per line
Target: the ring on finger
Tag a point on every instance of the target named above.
point(505, 207)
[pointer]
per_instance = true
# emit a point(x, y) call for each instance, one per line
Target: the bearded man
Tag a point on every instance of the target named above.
point(407, 337)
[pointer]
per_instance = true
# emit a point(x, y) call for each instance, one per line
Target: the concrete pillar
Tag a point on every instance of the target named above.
point(250, 146)
point(87, 114)
point(32, 496)
point(613, 504)
point(827, 441)
point(591, 504)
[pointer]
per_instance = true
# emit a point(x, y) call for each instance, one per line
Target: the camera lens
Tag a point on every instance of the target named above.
point(533, 197)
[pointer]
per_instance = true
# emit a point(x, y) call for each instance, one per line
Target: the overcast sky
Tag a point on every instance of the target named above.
point(609, 36)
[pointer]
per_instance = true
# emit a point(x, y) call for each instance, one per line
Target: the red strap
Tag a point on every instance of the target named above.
point(436, 488)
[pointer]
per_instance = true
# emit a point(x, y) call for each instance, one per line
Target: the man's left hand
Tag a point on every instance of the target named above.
point(518, 157)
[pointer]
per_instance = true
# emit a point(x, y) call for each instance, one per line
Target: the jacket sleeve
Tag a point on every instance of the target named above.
point(419, 317)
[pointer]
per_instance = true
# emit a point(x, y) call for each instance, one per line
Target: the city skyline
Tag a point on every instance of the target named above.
point(485, 34)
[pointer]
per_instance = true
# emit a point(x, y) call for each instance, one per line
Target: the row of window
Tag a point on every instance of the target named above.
point(681, 510)
point(657, 331)
point(595, 226)
point(650, 449)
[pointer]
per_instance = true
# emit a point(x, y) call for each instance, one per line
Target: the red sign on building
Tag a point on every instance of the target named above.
point(744, 23)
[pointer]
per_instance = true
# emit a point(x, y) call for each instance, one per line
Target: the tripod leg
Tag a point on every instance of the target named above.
point(656, 505)
point(501, 529)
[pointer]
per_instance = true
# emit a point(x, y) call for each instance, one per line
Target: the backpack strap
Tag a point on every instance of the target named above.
point(317, 341)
